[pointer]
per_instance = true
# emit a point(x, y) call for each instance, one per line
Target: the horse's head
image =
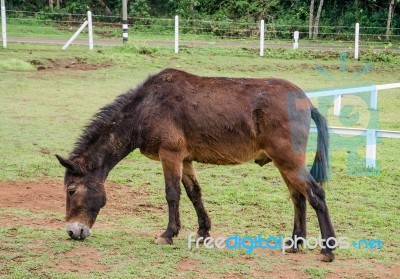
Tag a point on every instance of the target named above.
point(85, 195)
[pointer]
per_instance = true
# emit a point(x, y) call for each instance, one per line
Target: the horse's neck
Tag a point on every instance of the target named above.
point(108, 149)
point(118, 146)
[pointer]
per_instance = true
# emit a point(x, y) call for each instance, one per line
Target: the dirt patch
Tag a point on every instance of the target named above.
point(130, 199)
point(81, 260)
point(41, 204)
point(187, 265)
point(67, 64)
point(295, 264)
point(362, 269)
point(37, 196)
point(47, 198)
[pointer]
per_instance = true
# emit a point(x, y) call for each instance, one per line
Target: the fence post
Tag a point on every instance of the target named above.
point(262, 38)
point(124, 21)
point(75, 35)
point(176, 34)
point(356, 40)
point(3, 24)
point(296, 40)
point(374, 99)
point(90, 29)
point(371, 149)
point(337, 103)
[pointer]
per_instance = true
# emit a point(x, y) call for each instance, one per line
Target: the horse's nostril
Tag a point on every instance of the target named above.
point(78, 230)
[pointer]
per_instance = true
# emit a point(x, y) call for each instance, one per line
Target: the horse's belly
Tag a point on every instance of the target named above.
point(225, 156)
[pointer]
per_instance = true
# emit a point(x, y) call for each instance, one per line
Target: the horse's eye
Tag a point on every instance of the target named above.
point(71, 190)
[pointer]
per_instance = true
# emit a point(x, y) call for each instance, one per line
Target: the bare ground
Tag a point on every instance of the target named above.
point(66, 64)
point(49, 196)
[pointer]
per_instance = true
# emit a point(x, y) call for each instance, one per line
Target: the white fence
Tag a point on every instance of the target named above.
point(296, 35)
point(197, 32)
point(370, 134)
point(3, 24)
point(176, 34)
point(343, 91)
point(87, 23)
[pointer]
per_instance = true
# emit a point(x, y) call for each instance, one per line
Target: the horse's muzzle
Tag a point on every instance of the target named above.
point(78, 230)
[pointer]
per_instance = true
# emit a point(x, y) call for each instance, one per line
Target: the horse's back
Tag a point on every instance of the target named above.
point(215, 119)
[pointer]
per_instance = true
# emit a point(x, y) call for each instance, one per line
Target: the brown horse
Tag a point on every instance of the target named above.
point(177, 118)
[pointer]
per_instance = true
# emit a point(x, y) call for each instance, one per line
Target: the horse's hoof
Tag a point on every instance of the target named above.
point(327, 257)
point(163, 241)
point(292, 249)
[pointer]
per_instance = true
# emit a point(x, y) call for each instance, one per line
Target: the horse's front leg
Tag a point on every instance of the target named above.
point(193, 191)
point(172, 167)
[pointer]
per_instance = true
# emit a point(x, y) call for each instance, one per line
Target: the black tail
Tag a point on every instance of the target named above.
point(320, 167)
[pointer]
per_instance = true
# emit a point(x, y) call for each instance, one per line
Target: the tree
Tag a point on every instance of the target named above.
point(389, 18)
point(105, 7)
point(316, 23)
point(311, 19)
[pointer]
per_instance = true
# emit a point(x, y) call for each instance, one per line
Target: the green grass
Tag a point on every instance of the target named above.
point(26, 27)
point(43, 112)
point(316, 273)
point(31, 28)
point(15, 65)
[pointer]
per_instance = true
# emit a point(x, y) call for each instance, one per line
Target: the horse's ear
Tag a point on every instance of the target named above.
point(68, 164)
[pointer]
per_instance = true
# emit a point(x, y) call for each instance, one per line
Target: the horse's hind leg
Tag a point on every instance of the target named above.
point(172, 167)
point(193, 191)
point(316, 197)
point(302, 181)
point(300, 213)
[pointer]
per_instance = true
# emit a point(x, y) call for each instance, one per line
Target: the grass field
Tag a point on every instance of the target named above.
point(43, 111)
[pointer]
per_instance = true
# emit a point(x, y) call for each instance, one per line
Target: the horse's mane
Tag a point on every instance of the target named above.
point(102, 119)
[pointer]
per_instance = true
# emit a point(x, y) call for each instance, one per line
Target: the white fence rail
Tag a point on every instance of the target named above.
point(3, 24)
point(262, 39)
point(371, 136)
point(373, 89)
point(356, 41)
point(199, 32)
point(176, 42)
point(296, 40)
